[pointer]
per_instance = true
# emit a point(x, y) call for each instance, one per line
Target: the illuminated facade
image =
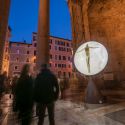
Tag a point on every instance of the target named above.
point(60, 56)
point(6, 52)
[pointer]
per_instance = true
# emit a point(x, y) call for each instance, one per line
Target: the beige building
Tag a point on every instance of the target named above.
point(60, 56)
point(102, 21)
point(20, 53)
point(6, 52)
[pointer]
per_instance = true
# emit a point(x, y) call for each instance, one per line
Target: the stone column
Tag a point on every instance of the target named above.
point(43, 34)
point(4, 13)
point(85, 20)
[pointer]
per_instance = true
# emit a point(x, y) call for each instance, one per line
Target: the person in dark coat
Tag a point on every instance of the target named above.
point(14, 83)
point(3, 79)
point(24, 96)
point(46, 93)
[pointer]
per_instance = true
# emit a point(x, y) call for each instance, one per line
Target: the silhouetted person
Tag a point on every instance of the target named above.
point(3, 79)
point(14, 83)
point(46, 93)
point(24, 96)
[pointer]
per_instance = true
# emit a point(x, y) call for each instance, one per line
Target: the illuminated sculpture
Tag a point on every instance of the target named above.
point(90, 59)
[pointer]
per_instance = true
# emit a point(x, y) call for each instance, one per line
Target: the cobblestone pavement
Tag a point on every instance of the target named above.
point(67, 113)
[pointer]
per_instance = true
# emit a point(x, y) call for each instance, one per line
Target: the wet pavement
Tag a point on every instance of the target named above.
point(68, 113)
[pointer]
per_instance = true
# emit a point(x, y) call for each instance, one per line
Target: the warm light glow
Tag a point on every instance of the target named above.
point(90, 58)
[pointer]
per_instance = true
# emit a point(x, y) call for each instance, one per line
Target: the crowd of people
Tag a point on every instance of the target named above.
point(42, 92)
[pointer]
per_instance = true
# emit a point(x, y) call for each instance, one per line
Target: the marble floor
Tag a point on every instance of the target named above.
point(69, 113)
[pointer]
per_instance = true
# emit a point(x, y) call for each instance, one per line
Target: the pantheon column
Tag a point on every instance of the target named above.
point(4, 13)
point(43, 34)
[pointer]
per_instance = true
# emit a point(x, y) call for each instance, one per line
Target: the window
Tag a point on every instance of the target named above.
point(62, 65)
point(59, 57)
point(34, 60)
point(28, 52)
point(55, 65)
point(16, 67)
point(55, 47)
point(50, 40)
point(64, 58)
point(49, 46)
point(56, 42)
point(34, 52)
point(34, 38)
point(69, 58)
point(59, 48)
point(27, 60)
point(17, 59)
point(68, 44)
point(59, 65)
point(68, 49)
point(64, 49)
point(69, 74)
point(64, 73)
point(35, 44)
point(62, 43)
point(51, 56)
point(18, 44)
point(28, 45)
point(56, 57)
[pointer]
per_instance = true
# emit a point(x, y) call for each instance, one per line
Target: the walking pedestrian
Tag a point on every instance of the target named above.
point(3, 79)
point(24, 96)
point(46, 93)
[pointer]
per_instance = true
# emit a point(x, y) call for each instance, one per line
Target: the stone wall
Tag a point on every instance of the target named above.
point(102, 21)
point(107, 25)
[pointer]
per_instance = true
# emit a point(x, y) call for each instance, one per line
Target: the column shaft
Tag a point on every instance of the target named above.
point(4, 13)
point(43, 33)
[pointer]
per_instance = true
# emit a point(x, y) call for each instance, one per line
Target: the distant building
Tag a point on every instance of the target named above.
point(60, 56)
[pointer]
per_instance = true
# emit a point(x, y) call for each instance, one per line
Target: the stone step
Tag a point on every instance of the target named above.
point(113, 92)
point(115, 99)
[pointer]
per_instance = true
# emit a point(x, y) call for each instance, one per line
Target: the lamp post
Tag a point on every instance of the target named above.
point(43, 34)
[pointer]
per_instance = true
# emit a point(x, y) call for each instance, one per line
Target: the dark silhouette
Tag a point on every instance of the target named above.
point(3, 79)
point(24, 96)
point(14, 83)
point(46, 93)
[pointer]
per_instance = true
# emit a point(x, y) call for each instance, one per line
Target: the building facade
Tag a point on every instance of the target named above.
point(4, 13)
point(60, 56)
point(102, 21)
point(6, 52)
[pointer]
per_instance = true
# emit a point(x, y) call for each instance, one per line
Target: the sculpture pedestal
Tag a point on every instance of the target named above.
point(92, 94)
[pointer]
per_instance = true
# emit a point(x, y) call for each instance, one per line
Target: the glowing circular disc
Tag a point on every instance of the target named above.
point(90, 58)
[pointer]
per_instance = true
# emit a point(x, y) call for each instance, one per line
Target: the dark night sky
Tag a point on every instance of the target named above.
point(24, 19)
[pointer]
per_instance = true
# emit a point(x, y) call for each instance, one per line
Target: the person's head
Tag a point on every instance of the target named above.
point(25, 70)
point(44, 67)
